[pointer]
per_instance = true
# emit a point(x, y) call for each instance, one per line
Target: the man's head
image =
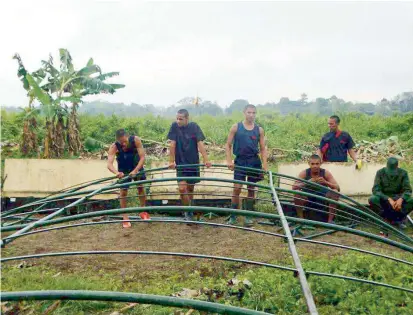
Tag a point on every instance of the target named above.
point(249, 112)
point(333, 123)
point(392, 166)
point(182, 117)
point(314, 163)
point(122, 136)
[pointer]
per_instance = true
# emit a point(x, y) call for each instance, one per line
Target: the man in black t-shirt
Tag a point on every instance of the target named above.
point(186, 143)
point(335, 144)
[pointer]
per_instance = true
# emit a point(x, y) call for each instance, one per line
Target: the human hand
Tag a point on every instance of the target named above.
point(398, 204)
point(392, 202)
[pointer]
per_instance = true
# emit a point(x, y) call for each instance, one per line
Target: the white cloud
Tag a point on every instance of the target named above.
point(222, 51)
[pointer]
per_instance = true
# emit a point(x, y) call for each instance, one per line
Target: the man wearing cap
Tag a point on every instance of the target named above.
point(392, 193)
point(335, 145)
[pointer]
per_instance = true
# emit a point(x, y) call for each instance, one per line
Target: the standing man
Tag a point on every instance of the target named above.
point(245, 137)
point(186, 143)
point(318, 175)
point(335, 144)
point(392, 193)
point(130, 157)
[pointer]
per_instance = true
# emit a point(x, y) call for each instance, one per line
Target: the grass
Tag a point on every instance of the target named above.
point(272, 290)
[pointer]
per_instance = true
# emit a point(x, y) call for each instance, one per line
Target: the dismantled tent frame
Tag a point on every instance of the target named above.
point(356, 219)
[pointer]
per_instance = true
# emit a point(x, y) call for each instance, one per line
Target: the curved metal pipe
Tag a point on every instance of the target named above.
point(176, 209)
point(299, 239)
point(251, 262)
point(109, 296)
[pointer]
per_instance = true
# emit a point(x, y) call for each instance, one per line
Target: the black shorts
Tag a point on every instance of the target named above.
point(188, 172)
point(140, 176)
point(248, 175)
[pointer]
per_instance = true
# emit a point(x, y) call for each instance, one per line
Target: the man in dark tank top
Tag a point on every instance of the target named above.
point(321, 176)
point(248, 140)
point(130, 157)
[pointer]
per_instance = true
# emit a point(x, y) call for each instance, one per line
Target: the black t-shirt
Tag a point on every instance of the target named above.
point(186, 138)
point(334, 146)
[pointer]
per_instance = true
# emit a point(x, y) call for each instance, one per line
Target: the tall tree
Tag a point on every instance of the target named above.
point(57, 90)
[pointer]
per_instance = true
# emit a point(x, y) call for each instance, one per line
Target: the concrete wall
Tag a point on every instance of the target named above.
point(40, 177)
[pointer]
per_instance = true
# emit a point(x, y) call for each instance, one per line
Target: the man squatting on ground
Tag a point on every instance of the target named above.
point(130, 157)
point(321, 176)
point(245, 137)
point(392, 193)
point(186, 143)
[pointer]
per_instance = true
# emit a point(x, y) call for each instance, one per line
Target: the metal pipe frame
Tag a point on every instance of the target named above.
point(25, 230)
point(312, 309)
point(297, 192)
point(179, 209)
point(108, 296)
point(180, 221)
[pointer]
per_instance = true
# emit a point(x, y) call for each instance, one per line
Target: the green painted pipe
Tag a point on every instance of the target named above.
point(175, 254)
point(50, 198)
point(136, 252)
point(109, 296)
point(375, 219)
point(328, 232)
point(178, 209)
point(242, 182)
point(297, 192)
point(350, 216)
point(323, 274)
point(48, 217)
point(180, 221)
point(143, 182)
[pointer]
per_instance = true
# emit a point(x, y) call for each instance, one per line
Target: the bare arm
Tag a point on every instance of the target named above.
point(353, 154)
point(111, 158)
point(172, 148)
point(204, 154)
point(263, 150)
point(141, 152)
point(331, 181)
point(299, 184)
point(228, 145)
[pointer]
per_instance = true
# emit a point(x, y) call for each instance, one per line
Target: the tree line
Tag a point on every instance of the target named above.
point(402, 103)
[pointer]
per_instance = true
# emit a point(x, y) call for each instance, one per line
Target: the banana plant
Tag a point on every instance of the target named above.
point(29, 145)
point(57, 88)
point(70, 86)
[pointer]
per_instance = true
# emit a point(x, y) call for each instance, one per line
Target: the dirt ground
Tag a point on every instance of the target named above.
point(172, 238)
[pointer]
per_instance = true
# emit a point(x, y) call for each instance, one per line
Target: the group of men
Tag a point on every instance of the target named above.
point(246, 141)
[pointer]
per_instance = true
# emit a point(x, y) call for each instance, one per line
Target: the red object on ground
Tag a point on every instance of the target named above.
point(144, 216)
point(126, 224)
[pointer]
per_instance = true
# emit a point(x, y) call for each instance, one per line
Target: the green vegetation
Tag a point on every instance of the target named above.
point(273, 291)
point(287, 132)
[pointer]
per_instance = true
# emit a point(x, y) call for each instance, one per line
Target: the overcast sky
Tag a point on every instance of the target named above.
point(220, 51)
